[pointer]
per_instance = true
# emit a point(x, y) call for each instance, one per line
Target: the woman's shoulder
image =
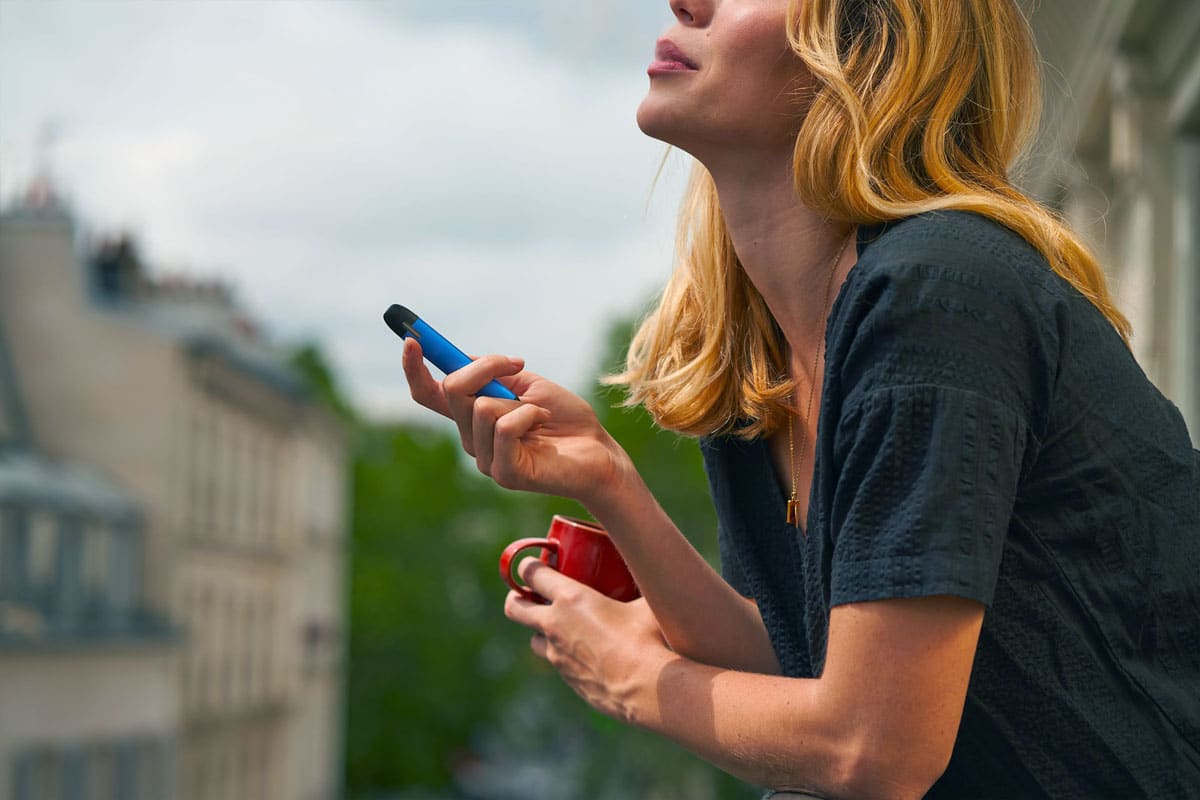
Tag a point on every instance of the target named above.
point(957, 264)
point(961, 248)
point(952, 301)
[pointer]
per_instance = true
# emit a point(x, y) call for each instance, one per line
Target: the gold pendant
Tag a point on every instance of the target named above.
point(793, 512)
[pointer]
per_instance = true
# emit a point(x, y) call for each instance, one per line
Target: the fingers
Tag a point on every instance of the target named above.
point(474, 376)
point(520, 382)
point(488, 417)
point(462, 386)
point(424, 388)
point(540, 646)
point(523, 611)
point(458, 389)
point(491, 430)
point(505, 434)
point(549, 582)
point(552, 622)
point(519, 610)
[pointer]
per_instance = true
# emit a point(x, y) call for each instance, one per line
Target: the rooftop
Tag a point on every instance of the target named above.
point(31, 479)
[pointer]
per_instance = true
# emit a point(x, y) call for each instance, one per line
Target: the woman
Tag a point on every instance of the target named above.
point(958, 525)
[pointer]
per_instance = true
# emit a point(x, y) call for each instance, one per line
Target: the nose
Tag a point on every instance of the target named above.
point(692, 12)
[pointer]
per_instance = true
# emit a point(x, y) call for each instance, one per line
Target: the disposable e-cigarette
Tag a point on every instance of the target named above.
point(437, 348)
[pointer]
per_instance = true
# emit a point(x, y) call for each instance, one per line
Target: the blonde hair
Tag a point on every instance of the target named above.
point(916, 105)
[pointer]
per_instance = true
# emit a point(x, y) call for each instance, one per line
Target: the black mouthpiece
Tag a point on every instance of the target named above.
point(400, 320)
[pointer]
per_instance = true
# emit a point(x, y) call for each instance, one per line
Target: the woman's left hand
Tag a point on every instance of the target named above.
point(609, 652)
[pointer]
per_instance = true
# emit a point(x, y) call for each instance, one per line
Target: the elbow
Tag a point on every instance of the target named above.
point(895, 769)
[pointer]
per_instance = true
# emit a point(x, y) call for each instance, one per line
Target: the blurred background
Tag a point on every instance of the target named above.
point(236, 561)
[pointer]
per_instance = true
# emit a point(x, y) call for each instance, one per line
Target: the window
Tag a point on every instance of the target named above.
point(235, 479)
point(12, 552)
point(186, 612)
point(124, 574)
point(251, 481)
point(271, 682)
point(124, 769)
point(152, 770)
point(249, 652)
point(268, 490)
point(43, 551)
point(221, 767)
point(230, 645)
point(195, 467)
point(45, 776)
point(66, 588)
point(203, 647)
point(6, 548)
point(97, 560)
point(102, 773)
point(206, 471)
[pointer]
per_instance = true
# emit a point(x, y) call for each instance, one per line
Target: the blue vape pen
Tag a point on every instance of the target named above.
point(436, 347)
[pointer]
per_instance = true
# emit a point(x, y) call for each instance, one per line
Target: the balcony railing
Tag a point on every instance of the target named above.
point(34, 626)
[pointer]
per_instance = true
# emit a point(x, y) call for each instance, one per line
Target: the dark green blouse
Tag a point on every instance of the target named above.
point(984, 432)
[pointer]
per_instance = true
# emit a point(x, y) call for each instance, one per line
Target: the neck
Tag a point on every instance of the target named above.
point(786, 249)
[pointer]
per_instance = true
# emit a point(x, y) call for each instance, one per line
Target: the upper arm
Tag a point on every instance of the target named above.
point(898, 671)
point(972, 317)
point(944, 373)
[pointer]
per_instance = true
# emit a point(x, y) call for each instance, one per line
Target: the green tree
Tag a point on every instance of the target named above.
point(430, 658)
point(314, 369)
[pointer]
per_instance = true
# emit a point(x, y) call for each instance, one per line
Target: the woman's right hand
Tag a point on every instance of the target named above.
point(548, 442)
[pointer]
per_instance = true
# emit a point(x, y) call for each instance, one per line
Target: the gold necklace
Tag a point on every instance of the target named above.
point(793, 503)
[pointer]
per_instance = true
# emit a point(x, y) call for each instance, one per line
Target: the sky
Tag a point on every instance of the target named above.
point(475, 160)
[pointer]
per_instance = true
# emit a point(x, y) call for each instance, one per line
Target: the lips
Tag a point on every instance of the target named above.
point(668, 57)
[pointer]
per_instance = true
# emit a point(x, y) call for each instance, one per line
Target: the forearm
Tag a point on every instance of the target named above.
point(772, 731)
point(701, 616)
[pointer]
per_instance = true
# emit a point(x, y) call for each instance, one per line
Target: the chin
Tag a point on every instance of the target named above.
point(656, 120)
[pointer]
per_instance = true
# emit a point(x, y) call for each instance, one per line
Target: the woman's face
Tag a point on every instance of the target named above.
point(724, 79)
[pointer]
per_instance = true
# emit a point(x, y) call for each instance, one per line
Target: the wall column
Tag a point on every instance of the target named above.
point(1186, 370)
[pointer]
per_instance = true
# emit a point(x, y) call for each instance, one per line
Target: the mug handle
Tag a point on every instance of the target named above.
point(510, 553)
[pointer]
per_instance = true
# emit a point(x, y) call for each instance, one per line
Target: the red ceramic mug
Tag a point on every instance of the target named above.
point(579, 550)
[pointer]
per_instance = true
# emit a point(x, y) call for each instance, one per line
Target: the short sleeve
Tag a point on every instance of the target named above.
point(942, 367)
point(928, 486)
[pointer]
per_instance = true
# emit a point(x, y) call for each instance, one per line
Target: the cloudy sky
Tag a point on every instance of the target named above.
point(476, 160)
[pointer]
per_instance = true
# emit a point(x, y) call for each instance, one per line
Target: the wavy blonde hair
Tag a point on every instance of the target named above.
point(916, 105)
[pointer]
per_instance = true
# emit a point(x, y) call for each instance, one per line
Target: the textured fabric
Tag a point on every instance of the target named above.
point(984, 432)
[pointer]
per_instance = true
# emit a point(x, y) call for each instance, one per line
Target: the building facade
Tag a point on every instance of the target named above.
point(88, 700)
point(241, 481)
point(1119, 155)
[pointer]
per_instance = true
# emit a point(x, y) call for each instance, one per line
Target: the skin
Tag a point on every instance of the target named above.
point(692, 660)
